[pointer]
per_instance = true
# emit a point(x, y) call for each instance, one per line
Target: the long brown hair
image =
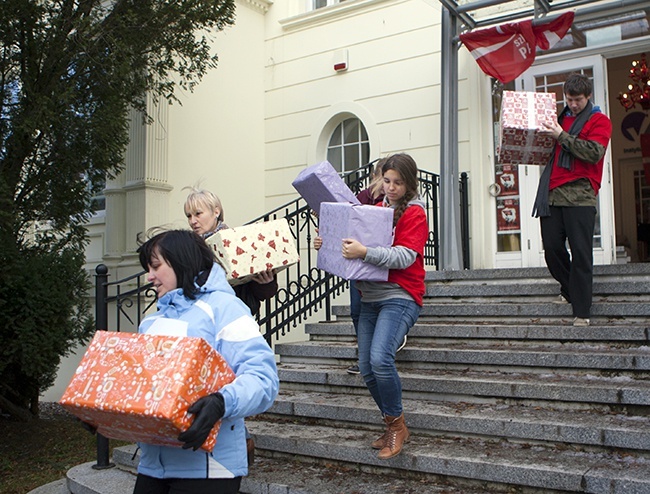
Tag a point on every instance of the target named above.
point(403, 164)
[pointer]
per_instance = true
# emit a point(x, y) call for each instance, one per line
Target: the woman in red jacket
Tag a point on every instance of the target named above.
point(390, 309)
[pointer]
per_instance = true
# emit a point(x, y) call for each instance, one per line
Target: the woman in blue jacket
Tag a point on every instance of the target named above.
point(194, 299)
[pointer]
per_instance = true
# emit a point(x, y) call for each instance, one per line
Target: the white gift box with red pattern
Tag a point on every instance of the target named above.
point(522, 113)
point(250, 249)
point(138, 387)
point(370, 225)
point(321, 183)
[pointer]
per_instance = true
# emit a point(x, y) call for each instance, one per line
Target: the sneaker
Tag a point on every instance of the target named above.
point(402, 345)
point(581, 321)
point(560, 300)
point(353, 369)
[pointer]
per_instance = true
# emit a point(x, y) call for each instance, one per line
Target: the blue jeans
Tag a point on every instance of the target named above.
point(382, 327)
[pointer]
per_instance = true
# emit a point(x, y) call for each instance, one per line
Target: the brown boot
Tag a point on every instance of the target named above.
point(396, 435)
point(379, 442)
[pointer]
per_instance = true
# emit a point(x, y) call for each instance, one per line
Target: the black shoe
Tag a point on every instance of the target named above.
point(353, 369)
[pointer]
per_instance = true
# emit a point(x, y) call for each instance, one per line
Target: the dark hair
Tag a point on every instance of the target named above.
point(187, 254)
point(404, 165)
point(578, 84)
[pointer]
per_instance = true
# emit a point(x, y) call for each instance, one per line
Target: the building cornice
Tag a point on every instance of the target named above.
point(326, 14)
point(261, 6)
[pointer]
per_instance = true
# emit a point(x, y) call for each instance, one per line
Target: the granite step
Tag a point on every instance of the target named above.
point(562, 390)
point(490, 311)
point(477, 309)
point(593, 427)
point(432, 331)
point(522, 289)
point(275, 473)
point(610, 272)
point(520, 465)
point(566, 356)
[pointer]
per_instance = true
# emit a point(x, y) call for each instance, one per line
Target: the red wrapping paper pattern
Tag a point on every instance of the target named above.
point(522, 114)
point(250, 249)
point(138, 387)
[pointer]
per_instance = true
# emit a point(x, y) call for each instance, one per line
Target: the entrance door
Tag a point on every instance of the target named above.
point(549, 78)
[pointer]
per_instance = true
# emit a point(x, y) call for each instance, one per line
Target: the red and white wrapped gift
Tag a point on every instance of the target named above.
point(522, 113)
point(250, 249)
point(138, 387)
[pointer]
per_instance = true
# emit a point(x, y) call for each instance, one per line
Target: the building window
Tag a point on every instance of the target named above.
point(319, 4)
point(348, 148)
point(96, 190)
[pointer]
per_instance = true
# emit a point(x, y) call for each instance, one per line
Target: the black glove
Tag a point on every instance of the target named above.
point(207, 411)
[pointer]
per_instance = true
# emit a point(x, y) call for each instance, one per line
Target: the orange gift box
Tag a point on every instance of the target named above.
point(138, 387)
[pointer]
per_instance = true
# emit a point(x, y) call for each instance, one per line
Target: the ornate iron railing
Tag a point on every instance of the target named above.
point(306, 289)
point(303, 288)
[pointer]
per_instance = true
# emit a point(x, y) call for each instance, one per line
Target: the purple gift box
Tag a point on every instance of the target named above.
point(321, 183)
point(370, 225)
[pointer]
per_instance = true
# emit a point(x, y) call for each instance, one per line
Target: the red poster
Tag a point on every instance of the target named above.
point(507, 214)
point(507, 178)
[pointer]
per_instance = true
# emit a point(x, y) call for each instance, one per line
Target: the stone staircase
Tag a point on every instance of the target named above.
point(501, 394)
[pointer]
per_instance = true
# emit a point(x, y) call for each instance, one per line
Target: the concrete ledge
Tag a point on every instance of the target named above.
point(83, 479)
point(56, 487)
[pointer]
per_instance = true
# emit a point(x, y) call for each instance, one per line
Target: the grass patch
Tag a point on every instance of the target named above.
point(42, 450)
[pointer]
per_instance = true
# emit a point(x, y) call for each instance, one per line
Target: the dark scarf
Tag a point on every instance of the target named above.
point(541, 207)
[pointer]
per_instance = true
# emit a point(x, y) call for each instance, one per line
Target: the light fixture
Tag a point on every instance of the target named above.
point(639, 91)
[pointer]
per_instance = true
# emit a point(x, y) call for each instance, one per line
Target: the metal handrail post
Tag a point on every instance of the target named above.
point(101, 324)
point(464, 218)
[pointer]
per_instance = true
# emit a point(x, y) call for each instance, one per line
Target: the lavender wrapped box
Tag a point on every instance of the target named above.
point(370, 225)
point(321, 183)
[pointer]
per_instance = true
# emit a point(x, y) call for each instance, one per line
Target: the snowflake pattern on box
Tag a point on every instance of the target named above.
point(251, 249)
point(370, 225)
point(138, 387)
point(321, 183)
point(522, 113)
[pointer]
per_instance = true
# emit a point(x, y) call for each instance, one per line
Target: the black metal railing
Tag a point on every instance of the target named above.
point(303, 288)
point(464, 218)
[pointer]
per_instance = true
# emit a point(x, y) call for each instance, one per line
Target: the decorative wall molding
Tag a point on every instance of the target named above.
point(325, 14)
point(261, 6)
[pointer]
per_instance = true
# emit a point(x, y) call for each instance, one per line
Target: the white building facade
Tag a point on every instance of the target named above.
point(301, 81)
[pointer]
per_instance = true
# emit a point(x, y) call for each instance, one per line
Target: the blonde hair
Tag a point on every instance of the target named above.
point(377, 183)
point(201, 199)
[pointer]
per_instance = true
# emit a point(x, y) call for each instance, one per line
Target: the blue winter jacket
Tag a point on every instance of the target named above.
point(219, 317)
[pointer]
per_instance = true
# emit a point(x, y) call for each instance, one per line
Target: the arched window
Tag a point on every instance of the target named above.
point(348, 148)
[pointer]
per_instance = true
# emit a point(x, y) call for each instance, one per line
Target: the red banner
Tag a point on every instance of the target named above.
point(506, 51)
